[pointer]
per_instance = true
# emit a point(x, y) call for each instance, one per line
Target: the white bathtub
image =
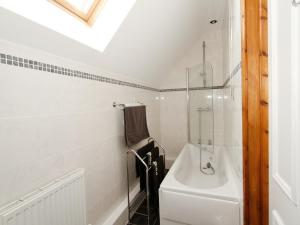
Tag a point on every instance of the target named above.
point(187, 196)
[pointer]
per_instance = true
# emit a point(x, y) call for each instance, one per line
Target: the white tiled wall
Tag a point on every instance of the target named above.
point(233, 92)
point(233, 136)
point(51, 124)
point(233, 122)
point(173, 122)
point(211, 126)
point(173, 110)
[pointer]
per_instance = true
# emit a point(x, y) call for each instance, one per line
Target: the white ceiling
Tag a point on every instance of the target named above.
point(153, 37)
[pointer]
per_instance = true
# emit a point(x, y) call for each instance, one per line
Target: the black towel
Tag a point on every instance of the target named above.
point(155, 153)
point(155, 179)
point(135, 123)
point(154, 196)
point(142, 170)
point(142, 152)
point(158, 174)
point(161, 168)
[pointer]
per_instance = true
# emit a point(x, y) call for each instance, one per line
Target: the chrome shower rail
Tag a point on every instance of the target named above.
point(200, 109)
point(188, 103)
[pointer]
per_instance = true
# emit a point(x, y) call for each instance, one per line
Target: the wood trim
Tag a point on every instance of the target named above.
point(255, 111)
point(89, 17)
point(94, 12)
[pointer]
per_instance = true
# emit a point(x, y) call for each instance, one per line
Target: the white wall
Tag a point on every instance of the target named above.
point(51, 124)
point(173, 122)
point(233, 89)
point(232, 93)
point(173, 109)
point(214, 55)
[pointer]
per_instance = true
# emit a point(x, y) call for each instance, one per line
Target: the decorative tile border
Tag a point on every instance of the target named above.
point(191, 89)
point(233, 73)
point(36, 65)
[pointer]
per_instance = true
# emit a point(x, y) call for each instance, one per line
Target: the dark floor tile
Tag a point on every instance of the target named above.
point(139, 219)
point(143, 209)
point(152, 204)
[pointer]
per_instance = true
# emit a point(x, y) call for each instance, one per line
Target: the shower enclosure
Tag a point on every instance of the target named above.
point(200, 109)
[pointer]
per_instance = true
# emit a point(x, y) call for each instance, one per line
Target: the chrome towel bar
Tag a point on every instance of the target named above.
point(122, 105)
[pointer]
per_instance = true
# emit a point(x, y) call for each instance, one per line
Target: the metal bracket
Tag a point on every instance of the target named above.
point(296, 3)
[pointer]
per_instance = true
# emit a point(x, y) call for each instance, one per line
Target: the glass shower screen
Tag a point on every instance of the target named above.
point(200, 104)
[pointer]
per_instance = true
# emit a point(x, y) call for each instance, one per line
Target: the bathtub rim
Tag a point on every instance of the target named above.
point(228, 191)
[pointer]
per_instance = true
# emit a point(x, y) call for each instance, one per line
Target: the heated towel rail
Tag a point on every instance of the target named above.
point(143, 195)
point(138, 200)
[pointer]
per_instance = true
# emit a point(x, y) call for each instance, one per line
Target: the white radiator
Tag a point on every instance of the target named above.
point(61, 202)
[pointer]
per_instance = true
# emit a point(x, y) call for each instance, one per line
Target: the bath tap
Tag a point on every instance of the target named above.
point(210, 142)
point(208, 166)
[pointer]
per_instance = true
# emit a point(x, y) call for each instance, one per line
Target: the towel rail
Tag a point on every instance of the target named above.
point(131, 210)
point(134, 204)
point(159, 145)
point(123, 106)
point(147, 185)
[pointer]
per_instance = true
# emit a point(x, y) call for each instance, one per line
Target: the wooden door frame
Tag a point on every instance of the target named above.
point(255, 111)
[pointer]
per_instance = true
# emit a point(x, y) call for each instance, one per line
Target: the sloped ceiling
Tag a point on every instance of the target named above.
point(153, 37)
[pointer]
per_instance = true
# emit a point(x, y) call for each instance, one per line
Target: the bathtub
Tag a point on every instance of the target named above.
point(187, 196)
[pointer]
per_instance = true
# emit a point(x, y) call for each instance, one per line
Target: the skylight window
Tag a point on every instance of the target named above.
point(85, 10)
point(98, 36)
point(82, 5)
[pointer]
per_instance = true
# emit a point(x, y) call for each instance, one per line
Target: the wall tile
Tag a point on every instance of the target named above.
point(51, 124)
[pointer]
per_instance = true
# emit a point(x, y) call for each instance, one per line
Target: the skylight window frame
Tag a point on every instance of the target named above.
point(88, 18)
